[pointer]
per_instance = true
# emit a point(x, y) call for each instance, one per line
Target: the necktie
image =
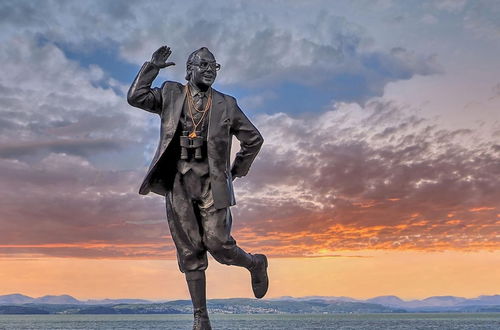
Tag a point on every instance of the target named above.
point(199, 100)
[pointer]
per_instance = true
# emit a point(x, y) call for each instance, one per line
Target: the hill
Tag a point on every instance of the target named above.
point(65, 304)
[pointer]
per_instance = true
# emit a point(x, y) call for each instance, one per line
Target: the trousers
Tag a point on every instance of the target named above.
point(197, 227)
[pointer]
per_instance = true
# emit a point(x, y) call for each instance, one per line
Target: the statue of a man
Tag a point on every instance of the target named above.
point(192, 169)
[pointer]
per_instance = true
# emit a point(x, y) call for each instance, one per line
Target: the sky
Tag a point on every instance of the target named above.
point(379, 174)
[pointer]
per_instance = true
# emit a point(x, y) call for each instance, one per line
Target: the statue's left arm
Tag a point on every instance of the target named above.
point(250, 141)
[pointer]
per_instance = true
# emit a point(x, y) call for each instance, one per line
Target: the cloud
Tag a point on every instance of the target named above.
point(56, 106)
point(451, 6)
point(255, 43)
point(478, 16)
point(64, 206)
point(372, 177)
point(332, 54)
point(71, 160)
point(79, 147)
point(349, 178)
point(481, 17)
point(367, 173)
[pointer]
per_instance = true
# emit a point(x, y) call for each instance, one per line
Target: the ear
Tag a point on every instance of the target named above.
point(189, 71)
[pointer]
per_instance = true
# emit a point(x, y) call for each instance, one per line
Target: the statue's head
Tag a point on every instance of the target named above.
point(201, 68)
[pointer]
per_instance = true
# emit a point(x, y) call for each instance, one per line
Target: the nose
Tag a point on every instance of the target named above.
point(210, 72)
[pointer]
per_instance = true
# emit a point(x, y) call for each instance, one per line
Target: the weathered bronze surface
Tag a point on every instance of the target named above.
point(192, 169)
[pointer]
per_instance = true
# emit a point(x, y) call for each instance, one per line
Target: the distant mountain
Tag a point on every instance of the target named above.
point(15, 298)
point(221, 306)
point(387, 301)
point(484, 300)
point(62, 299)
point(436, 303)
point(442, 301)
point(431, 304)
point(19, 299)
point(117, 301)
point(323, 298)
point(21, 304)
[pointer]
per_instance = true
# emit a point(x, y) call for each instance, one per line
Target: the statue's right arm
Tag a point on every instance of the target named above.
point(140, 94)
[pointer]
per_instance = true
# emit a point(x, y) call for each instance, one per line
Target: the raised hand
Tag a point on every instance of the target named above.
point(160, 57)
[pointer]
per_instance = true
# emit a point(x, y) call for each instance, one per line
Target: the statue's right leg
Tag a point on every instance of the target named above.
point(191, 252)
point(197, 289)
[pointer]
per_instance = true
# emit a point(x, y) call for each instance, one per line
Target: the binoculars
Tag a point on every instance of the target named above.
point(195, 143)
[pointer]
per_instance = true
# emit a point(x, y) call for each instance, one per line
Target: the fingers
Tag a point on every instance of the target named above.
point(164, 51)
point(160, 57)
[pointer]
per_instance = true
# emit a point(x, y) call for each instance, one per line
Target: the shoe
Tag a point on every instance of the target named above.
point(201, 321)
point(258, 271)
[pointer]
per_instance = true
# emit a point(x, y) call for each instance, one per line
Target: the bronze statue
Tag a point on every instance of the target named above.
point(192, 169)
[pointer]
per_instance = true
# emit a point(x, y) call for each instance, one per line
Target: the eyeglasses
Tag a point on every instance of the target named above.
point(205, 65)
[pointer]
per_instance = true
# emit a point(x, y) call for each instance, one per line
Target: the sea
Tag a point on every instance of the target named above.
point(410, 321)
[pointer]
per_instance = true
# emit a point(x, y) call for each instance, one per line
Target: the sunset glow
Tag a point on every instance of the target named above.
point(361, 274)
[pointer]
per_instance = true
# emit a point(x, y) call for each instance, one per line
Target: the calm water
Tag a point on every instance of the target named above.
point(289, 322)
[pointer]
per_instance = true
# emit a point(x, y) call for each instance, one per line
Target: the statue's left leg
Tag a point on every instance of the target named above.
point(218, 240)
point(222, 246)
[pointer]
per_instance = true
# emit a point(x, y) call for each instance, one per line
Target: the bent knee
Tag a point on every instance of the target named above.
point(219, 249)
point(214, 244)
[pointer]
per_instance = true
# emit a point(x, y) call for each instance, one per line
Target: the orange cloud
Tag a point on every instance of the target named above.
point(483, 208)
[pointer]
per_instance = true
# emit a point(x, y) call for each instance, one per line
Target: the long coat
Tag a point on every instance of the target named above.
point(225, 120)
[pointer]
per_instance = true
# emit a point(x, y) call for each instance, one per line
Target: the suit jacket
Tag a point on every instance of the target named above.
point(225, 119)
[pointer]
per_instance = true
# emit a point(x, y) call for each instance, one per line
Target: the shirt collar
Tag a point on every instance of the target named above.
point(194, 89)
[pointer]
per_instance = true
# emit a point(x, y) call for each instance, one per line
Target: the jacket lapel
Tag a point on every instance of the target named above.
point(215, 114)
point(171, 117)
point(177, 108)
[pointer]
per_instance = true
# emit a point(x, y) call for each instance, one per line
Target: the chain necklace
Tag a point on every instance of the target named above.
point(192, 106)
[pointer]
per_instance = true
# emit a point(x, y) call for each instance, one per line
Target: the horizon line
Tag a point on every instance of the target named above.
point(270, 298)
